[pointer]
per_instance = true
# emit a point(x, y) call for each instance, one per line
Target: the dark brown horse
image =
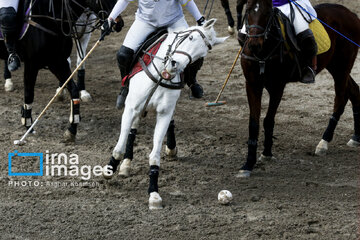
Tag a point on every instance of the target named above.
point(262, 51)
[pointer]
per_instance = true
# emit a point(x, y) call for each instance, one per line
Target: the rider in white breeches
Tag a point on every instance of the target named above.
point(8, 26)
point(150, 16)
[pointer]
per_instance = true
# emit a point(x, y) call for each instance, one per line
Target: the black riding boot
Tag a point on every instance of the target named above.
point(190, 78)
point(10, 33)
point(124, 58)
point(309, 49)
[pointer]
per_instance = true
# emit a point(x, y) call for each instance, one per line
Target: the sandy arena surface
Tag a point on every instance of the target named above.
point(297, 196)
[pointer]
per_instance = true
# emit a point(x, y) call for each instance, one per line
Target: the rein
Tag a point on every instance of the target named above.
point(182, 35)
point(67, 18)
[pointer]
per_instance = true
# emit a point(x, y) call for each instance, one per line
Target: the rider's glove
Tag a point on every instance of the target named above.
point(106, 28)
point(201, 21)
point(119, 24)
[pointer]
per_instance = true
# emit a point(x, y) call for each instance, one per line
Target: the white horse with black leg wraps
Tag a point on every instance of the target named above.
point(176, 52)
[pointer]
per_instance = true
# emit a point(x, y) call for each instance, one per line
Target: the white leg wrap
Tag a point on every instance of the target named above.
point(231, 30)
point(125, 168)
point(170, 152)
point(75, 111)
point(9, 86)
point(155, 201)
point(85, 96)
point(352, 143)
point(321, 148)
point(243, 174)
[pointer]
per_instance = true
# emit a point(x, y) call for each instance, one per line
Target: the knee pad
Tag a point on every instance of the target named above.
point(124, 57)
point(8, 20)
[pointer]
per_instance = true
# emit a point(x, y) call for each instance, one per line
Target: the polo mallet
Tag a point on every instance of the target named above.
point(22, 140)
point(217, 102)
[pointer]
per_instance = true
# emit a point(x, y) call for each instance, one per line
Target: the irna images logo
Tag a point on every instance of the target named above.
point(11, 156)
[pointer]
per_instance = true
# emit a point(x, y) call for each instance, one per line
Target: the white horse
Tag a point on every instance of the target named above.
point(176, 52)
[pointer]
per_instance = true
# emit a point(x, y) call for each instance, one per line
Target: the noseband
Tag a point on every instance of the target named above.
point(183, 35)
point(265, 31)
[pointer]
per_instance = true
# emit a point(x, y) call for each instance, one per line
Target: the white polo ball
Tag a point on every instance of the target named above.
point(225, 197)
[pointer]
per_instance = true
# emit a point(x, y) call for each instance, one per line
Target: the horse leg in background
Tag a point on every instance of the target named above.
point(85, 27)
point(170, 148)
point(163, 119)
point(84, 41)
point(9, 86)
point(61, 70)
point(30, 74)
point(355, 100)
point(254, 93)
point(239, 8)
point(230, 20)
point(276, 93)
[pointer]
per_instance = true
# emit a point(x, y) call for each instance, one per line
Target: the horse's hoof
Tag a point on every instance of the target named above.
point(61, 97)
point(353, 143)
point(68, 136)
point(125, 168)
point(321, 148)
point(231, 30)
point(85, 96)
point(155, 201)
point(106, 174)
point(170, 152)
point(9, 86)
point(244, 174)
point(266, 158)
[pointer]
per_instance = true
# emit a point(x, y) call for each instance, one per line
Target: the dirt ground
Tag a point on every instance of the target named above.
point(297, 196)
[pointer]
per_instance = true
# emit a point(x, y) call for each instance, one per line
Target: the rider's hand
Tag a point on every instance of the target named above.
point(201, 21)
point(106, 28)
point(119, 24)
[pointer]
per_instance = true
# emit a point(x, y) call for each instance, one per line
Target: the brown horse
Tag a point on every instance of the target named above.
point(265, 66)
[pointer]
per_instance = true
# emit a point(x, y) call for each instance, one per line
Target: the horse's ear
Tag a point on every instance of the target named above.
point(220, 40)
point(210, 23)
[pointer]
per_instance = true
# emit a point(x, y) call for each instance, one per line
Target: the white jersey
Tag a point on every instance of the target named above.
point(9, 3)
point(158, 13)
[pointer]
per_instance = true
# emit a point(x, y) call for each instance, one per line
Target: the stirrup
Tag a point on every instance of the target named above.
point(308, 75)
point(13, 62)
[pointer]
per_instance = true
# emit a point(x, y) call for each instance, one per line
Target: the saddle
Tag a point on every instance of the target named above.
point(287, 29)
point(135, 64)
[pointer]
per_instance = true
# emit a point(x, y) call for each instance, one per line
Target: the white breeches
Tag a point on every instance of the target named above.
point(140, 30)
point(10, 3)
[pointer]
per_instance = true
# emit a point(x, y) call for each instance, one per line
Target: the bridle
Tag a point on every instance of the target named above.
point(183, 35)
point(266, 32)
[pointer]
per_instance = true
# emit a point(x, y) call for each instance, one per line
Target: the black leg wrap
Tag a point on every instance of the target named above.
point(114, 164)
point(251, 157)
point(73, 128)
point(75, 111)
point(229, 18)
point(154, 175)
point(190, 78)
point(170, 136)
point(26, 118)
point(7, 73)
point(81, 79)
point(329, 132)
point(269, 132)
point(130, 144)
point(356, 113)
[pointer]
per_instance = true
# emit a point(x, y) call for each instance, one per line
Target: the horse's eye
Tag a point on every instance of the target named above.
point(191, 38)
